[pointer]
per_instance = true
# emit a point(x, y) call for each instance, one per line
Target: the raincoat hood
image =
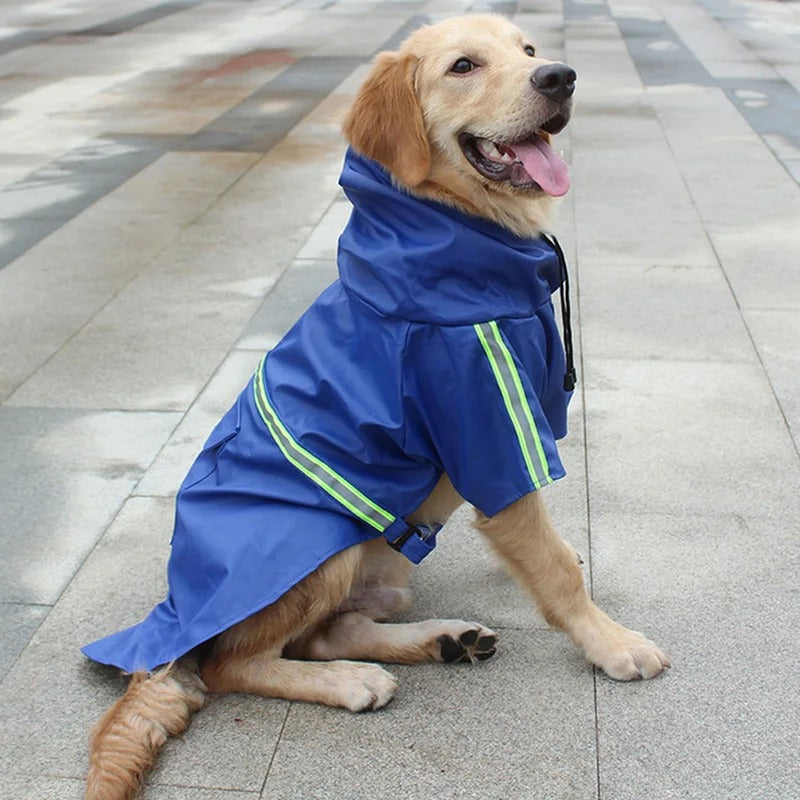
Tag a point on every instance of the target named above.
point(426, 262)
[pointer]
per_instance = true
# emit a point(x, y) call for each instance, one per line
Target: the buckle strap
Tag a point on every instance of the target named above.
point(414, 542)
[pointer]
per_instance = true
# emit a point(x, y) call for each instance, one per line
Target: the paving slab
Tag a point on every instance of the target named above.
point(296, 289)
point(452, 732)
point(771, 330)
point(81, 266)
point(43, 788)
point(687, 437)
point(46, 788)
point(734, 180)
point(18, 622)
point(168, 470)
point(660, 312)
point(610, 187)
point(760, 260)
point(718, 593)
point(705, 36)
point(179, 299)
point(69, 472)
point(323, 242)
point(157, 792)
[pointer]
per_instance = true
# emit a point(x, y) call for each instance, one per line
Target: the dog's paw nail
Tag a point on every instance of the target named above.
point(450, 649)
point(468, 637)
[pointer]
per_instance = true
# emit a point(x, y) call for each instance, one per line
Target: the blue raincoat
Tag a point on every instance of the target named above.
point(436, 351)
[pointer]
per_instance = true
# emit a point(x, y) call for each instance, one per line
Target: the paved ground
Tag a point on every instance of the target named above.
point(168, 204)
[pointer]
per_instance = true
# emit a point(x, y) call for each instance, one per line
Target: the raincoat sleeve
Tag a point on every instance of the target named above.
point(479, 414)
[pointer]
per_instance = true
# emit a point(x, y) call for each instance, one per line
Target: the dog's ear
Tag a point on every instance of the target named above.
point(385, 122)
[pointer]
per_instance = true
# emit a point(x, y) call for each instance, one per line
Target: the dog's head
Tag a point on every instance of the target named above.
point(463, 112)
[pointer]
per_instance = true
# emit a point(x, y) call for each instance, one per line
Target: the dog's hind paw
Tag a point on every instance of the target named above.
point(476, 643)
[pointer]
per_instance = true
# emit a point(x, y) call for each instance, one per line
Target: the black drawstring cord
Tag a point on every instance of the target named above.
point(571, 376)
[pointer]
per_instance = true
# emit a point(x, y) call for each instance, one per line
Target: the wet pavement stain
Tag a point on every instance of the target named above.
point(255, 59)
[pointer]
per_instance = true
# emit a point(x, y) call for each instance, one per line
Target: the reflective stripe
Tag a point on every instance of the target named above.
point(510, 385)
point(319, 472)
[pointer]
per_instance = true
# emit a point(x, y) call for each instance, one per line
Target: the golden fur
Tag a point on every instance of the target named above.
point(309, 644)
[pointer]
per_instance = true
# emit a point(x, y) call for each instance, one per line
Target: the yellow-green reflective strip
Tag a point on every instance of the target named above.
point(510, 385)
point(314, 469)
point(523, 401)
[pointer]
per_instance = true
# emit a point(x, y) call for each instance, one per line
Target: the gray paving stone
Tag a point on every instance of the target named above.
point(359, 35)
point(596, 50)
point(232, 252)
point(46, 788)
point(719, 594)
point(687, 437)
point(322, 244)
point(156, 792)
point(761, 260)
point(126, 230)
point(69, 473)
point(665, 311)
point(116, 587)
point(705, 36)
point(179, 300)
point(452, 732)
point(610, 183)
point(740, 69)
point(793, 167)
point(135, 19)
point(78, 281)
point(772, 330)
point(41, 788)
point(165, 474)
point(659, 53)
point(734, 180)
point(120, 579)
point(18, 622)
point(296, 289)
point(294, 92)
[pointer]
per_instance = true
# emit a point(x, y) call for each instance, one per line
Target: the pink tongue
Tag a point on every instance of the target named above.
point(544, 165)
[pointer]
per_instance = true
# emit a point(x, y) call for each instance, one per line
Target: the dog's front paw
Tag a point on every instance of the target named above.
point(474, 643)
point(366, 687)
point(627, 655)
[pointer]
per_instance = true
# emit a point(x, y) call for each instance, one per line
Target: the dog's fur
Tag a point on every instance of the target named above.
point(309, 644)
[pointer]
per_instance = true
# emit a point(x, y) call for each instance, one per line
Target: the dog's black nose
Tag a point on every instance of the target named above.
point(556, 81)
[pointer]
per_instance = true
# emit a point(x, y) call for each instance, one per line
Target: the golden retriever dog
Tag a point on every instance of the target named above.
point(456, 116)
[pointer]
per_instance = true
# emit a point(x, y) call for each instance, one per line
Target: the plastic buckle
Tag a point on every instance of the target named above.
point(413, 545)
point(400, 541)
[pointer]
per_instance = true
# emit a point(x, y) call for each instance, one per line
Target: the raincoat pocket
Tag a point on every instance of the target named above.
point(205, 463)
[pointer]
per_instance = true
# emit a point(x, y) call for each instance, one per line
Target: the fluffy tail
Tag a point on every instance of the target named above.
point(127, 739)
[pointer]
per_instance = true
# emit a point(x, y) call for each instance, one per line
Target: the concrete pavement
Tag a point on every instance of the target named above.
point(168, 206)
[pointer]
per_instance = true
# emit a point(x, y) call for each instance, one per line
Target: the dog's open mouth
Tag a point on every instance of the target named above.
point(530, 163)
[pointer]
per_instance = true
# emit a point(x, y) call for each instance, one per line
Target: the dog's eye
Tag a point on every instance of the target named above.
point(530, 50)
point(462, 65)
